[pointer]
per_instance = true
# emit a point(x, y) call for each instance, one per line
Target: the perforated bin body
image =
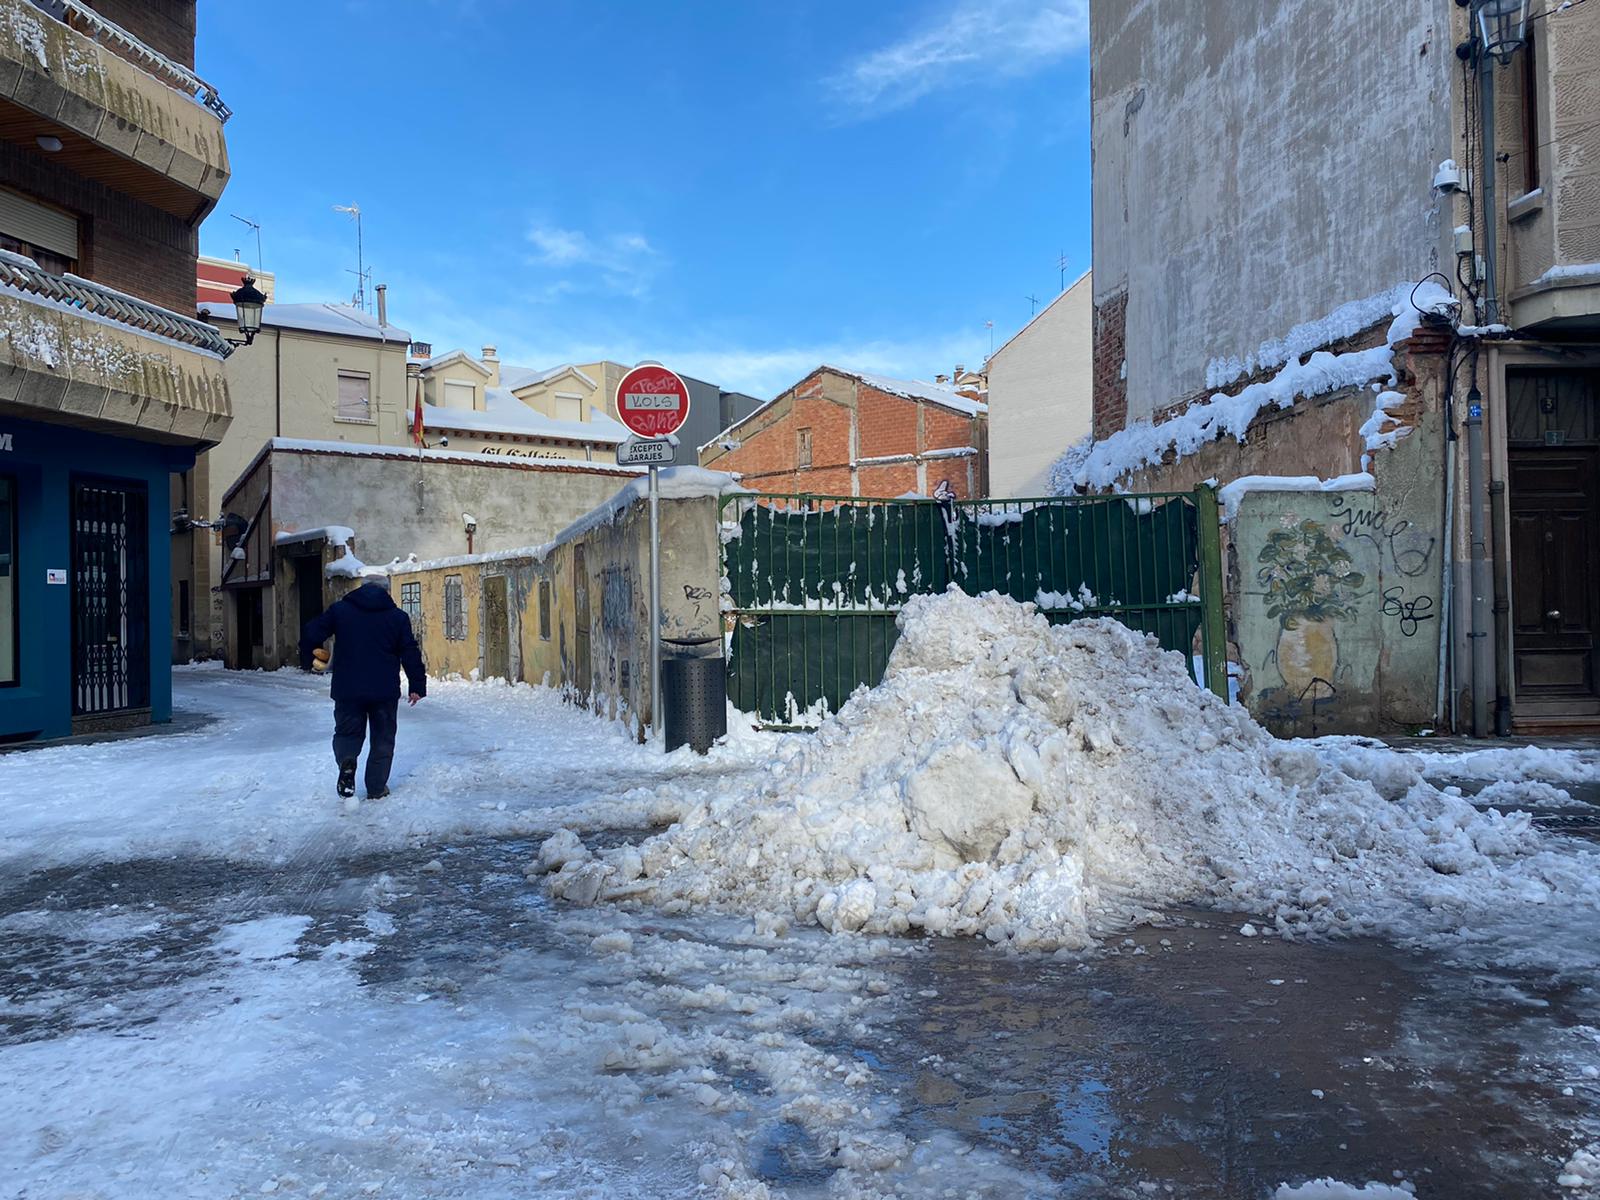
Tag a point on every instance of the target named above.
point(694, 700)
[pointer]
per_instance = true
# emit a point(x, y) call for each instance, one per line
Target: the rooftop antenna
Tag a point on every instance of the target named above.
point(361, 273)
point(256, 225)
point(1061, 265)
point(1033, 304)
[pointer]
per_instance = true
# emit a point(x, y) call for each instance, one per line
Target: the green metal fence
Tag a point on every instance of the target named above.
point(813, 584)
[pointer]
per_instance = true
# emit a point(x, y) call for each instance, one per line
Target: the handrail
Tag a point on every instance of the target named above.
point(22, 274)
point(76, 15)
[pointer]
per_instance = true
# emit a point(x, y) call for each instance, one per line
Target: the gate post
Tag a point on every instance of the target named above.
point(1213, 630)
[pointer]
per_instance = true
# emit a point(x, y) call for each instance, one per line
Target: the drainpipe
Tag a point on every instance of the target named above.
point(1502, 608)
point(1486, 173)
point(1482, 587)
point(1447, 658)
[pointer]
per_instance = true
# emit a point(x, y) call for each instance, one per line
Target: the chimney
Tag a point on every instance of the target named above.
point(941, 379)
point(383, 304)
point(959, 372)
point(491, 359)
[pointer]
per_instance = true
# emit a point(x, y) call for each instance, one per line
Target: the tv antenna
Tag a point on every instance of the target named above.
point(255, 225)
point(361, 273)
point(1033, 304)
point(989, 325)
point(1061, 265)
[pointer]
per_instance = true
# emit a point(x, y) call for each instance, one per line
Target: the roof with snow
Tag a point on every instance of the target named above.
point(342, 320)
point(504, 413)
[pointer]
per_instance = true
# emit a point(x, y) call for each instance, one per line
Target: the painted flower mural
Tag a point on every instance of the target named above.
point(1311, 584)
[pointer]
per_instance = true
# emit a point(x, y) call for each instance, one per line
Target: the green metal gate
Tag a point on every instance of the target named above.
point(813, 584)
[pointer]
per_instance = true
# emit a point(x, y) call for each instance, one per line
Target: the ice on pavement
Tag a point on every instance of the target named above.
point(257, 783)
point(1040, 785)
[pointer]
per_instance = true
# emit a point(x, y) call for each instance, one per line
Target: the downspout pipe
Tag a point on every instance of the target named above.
point(1486, 174)
point(1482, 654)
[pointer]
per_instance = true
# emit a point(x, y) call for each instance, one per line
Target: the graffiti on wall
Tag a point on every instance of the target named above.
point(1335, 588)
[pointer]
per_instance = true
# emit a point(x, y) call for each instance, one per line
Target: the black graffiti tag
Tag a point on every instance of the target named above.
point(1406, 549)
point(1411, 612)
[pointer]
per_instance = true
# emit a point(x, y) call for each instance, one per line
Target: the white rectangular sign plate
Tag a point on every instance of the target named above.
point(642, 453)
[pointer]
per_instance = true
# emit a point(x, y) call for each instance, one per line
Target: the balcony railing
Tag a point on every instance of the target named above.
point(108, 33)
point(23, 275)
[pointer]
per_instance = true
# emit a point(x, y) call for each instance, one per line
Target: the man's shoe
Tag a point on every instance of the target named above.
point(347, 778)
point(378, 795)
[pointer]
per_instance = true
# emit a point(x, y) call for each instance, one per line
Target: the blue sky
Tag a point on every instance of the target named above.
point(740, 189)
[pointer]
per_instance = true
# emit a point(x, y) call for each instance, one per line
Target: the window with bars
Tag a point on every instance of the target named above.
point(455, 610)
point(355, 396)
point(544, 610)
point(411, 602)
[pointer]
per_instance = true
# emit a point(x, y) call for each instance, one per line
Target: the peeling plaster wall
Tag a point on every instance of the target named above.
point(1366, 659)
point(614, 560)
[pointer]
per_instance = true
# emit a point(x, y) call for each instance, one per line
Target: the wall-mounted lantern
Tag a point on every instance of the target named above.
point(247, 303)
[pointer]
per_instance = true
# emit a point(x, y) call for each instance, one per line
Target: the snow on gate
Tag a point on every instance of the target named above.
point(812, 585)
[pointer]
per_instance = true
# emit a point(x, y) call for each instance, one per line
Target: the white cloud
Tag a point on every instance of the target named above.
point(972, 41)
point(617, 262)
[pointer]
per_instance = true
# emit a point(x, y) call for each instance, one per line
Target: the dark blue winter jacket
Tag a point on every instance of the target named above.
point(375, 641)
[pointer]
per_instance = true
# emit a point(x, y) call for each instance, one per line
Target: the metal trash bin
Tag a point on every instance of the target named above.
point(694, 693)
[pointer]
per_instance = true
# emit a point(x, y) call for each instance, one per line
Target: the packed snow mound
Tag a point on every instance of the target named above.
point(1044, 785)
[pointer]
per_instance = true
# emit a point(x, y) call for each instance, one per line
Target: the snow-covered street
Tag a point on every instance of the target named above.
point(215, 981)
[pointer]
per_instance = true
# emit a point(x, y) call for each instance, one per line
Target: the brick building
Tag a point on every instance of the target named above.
point(843, 433)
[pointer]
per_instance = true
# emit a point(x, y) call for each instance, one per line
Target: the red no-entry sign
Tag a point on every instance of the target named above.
point(652, 401)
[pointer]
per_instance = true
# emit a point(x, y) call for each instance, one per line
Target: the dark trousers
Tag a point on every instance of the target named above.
point(351, 720)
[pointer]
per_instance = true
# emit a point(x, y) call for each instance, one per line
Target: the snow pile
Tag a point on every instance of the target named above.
point(1043, 785)
point(1332, 1189)
point(1104, 463)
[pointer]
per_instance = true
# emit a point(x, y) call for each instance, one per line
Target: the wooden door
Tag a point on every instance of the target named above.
point(582, 668)
point(1555, 578)
point(496, 629)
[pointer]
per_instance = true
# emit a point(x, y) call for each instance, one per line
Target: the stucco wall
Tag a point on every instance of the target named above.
point(1255, 167)
point(1369, 566)
point(610, 563)
point(1041, 391)
point(402, 505)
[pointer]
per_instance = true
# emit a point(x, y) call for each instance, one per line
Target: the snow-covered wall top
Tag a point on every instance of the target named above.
point(1252, 176)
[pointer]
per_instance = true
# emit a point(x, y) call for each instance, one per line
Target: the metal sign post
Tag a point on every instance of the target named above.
point(657, 726)
point(653, 403)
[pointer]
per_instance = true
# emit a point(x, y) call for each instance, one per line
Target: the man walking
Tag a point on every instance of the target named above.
point(374, 643)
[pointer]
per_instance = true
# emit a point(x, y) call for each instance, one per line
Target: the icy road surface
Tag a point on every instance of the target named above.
point(216, 983)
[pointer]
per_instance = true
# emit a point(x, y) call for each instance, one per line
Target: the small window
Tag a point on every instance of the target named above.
point(569, 408)
point(544, 610)
point(460, 395)
point(355, 396)
point(9, 627)
point(455, 611)
point(49, 236)
point(802, 448)
point(411, 602)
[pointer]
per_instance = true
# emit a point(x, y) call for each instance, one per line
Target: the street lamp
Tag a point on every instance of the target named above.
point(247, 304)
point(1502, 27)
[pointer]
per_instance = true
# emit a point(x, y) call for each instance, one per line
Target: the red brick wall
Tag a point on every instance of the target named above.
point(163, 25)
point(1110, 354)
point(126, 244)
point(890, 479)
point(888, 424)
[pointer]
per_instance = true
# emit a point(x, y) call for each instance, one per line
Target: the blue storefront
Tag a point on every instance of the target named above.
point(85, 590)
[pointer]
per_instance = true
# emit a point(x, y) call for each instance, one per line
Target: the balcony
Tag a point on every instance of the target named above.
point(75, 353)
point(125, 114)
